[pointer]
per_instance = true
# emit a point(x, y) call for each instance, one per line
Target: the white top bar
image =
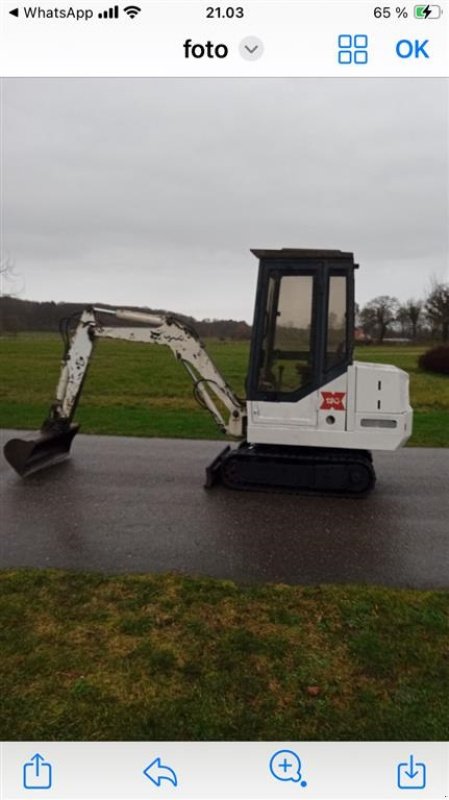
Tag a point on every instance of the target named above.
point(258, 38)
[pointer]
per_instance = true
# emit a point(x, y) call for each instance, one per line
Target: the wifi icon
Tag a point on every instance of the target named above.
point(132, 11)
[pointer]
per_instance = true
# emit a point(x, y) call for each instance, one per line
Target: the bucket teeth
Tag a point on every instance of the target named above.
point(51, 446)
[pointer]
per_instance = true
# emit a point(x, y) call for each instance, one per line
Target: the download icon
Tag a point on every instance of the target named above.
point(411, 774)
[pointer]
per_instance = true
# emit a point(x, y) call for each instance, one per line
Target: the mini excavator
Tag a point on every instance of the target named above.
point(311, 416)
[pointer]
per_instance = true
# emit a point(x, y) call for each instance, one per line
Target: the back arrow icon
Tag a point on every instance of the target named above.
point(157, 772)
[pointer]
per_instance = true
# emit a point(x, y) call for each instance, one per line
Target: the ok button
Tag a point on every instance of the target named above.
point(408, 48)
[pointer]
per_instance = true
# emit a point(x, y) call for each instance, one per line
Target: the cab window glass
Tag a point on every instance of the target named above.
point(286, 364)
point(336, 342)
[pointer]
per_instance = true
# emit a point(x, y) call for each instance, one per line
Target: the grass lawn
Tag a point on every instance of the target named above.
point(169, 657)
point(136, 390)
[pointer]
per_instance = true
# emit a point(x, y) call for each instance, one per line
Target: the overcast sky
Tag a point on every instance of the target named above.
point(152, 192)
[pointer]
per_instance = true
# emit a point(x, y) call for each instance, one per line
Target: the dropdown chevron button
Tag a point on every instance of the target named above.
point(251, 48)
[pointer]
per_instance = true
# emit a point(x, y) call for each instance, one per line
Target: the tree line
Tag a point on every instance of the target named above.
point(428, 318)
point(30, 315)
point(379, 319)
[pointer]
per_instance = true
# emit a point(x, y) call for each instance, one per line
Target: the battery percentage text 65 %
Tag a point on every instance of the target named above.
point(385, 12)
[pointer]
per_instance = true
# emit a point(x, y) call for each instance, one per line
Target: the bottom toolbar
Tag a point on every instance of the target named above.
point(237, 770)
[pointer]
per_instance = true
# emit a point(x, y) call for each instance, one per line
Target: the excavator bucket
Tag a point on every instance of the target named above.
point(51, 446)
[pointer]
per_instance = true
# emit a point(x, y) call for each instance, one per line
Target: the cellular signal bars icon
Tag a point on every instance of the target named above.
point(110, 13)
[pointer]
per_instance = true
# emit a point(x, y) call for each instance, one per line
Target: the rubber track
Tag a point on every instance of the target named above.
point(323, 476)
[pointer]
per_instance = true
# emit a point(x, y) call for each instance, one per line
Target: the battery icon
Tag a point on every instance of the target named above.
point(427, 12)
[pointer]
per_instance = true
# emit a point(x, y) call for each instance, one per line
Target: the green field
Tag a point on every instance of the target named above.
point(175, 658)
point(136, 390)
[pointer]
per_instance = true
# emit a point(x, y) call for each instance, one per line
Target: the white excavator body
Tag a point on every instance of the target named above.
point(367, 407)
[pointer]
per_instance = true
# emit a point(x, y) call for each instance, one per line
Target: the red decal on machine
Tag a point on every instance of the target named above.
point(332, 400)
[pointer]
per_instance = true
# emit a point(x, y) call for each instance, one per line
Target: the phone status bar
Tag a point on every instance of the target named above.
point(188, 38)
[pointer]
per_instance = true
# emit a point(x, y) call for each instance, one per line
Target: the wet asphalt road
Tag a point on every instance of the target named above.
point(138, 505)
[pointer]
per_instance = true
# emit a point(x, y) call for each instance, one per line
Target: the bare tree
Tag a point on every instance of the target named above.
point(8, 278)
point(414, 309)
point(437, 309)
point(408, 316)
point(404, 321)
point(378, 314)
point(9, 322)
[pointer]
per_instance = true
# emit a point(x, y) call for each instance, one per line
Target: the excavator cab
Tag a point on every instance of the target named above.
point(303, 322)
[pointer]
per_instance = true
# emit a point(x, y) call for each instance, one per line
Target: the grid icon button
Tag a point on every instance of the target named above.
point(353, 49)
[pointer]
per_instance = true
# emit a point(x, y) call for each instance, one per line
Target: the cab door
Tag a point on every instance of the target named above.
point(286, 363)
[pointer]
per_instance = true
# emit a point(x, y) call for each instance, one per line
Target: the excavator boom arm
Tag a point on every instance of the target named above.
point(168, 331)
point(57, 431)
